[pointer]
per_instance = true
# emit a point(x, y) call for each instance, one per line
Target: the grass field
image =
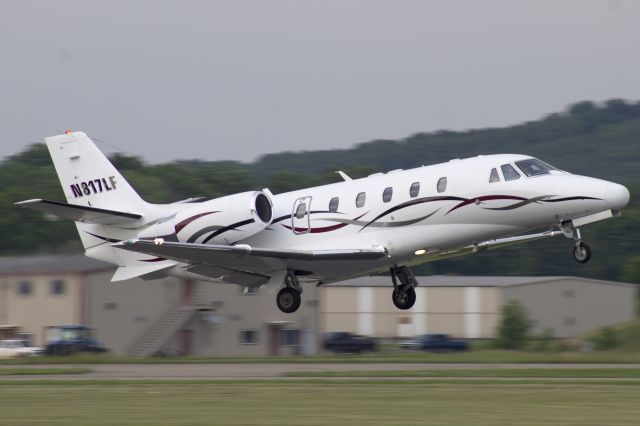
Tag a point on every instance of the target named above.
point(478, 356)
point(42, 371)
point(518, 373)
point(309, 402)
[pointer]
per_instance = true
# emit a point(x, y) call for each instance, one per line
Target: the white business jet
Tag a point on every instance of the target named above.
point(384, 222)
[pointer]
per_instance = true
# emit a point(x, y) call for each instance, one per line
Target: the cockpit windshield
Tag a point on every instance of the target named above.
point(534, 167)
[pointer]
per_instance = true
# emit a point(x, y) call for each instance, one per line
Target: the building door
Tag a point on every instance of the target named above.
point(186, 342)
point(187, 292)
point(274, 339)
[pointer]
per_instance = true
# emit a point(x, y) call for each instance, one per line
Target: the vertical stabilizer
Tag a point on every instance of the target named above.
point(87, 177)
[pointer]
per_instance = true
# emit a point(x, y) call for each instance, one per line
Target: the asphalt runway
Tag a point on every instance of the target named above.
point(259, 371)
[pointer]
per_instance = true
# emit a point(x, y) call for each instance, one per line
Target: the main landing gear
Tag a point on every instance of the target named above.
point(404, 284)
point(288, 298)
point(581, 251)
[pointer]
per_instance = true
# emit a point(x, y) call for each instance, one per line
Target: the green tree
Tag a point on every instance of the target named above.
point(606, 339)
point(513, 331)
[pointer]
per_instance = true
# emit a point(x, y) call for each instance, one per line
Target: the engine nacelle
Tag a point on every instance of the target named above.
point(224, 220)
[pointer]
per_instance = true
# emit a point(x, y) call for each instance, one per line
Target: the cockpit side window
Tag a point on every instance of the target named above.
point(533, 167)
point(509, 172)
point(494, 177)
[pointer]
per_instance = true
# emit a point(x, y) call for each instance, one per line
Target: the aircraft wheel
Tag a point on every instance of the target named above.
point(582, 253)
point(288, 300)
point(404, 299)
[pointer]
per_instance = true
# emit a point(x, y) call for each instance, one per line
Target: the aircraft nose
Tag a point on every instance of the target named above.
point(616, 196)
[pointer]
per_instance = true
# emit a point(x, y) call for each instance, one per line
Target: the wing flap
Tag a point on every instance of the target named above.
point(78, 213)
point(244, 258)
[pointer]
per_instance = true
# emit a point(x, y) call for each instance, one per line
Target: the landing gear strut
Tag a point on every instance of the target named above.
point(582, 251)
point(404, 293)
point(288, 298)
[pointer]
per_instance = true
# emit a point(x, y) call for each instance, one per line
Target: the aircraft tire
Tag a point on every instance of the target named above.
point(404, 300)
point(288, 300)
point(582, 253)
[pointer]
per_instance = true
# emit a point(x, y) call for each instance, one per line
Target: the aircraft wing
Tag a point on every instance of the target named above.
point(79, 213)
point(243, 264)
point(490, 245)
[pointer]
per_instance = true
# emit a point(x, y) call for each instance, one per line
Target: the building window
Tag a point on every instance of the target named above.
point(248, 337)
point(360, 199)
point(494, 177)
point(414, 190)
point(333, 204)
point(569, 321)
point(387, 194)
point(25, 288)
point(58, 287)
point(290, 337)
point(110, 306)
point(568, 293)
point(442, 184)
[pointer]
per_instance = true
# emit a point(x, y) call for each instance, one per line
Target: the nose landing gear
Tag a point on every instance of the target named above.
point(404, 293)
point(581, 251)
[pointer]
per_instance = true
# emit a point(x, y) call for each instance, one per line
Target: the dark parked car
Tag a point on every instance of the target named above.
point(71, 339)
point(434, 342)
point(343, 342)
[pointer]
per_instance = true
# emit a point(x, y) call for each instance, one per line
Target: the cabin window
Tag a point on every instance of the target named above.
point(509, 172)
point(534, 167)
point(333, 204)
point(301, 210)
point(494, 177)
point(387, 194)
point(414, 190)
point(360, 199)
point(442, 184)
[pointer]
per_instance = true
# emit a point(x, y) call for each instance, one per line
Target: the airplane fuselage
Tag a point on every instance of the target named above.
point(469, 209)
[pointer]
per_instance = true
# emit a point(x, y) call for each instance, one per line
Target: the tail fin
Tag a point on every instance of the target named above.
point(103, 205)
point(88, 178)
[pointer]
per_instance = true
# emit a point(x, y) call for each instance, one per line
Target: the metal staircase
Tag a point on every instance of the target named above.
point(163, 330)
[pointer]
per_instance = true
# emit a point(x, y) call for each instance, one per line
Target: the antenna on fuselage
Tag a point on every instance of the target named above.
point(343, 175)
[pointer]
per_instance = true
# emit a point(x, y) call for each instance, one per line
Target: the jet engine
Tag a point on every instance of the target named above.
point(223, 220)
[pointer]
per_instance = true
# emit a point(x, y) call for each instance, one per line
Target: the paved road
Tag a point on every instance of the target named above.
point(256, 371)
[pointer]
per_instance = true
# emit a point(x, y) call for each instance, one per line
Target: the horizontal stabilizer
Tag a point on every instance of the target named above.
point(128, 272)
point(78, 213)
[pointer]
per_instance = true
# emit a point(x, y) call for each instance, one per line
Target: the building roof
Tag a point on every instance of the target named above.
point(45, 265)
point(464, 281)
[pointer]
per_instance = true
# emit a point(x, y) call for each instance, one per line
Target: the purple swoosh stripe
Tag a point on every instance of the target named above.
point(322, 229)
point(486, 198)
point(180, 226)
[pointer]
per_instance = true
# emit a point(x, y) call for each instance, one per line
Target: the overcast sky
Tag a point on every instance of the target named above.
point(237, 79)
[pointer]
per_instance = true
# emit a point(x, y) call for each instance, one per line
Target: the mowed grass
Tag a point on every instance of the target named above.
point(474, 356)
point(318, 403)
point(8, 371)
point(565, 373)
